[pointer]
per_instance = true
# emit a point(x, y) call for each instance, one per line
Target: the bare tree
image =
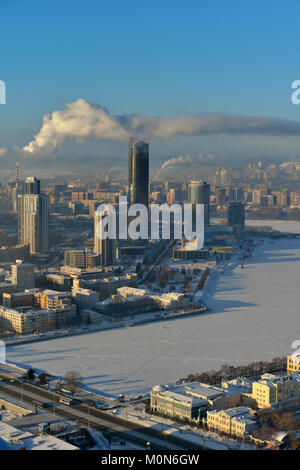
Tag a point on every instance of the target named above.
point(73, 380)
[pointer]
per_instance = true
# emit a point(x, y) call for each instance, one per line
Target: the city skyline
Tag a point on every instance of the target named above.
point(149, 228)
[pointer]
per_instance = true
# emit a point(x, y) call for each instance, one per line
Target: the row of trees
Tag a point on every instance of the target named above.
point(252, 370)
point(73, 379)
point(270, 422)
point(43, 377)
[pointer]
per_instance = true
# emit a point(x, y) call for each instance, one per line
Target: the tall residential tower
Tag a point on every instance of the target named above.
point(106, 247)
point(138, 190)
point(33, 217)
point(199, 193)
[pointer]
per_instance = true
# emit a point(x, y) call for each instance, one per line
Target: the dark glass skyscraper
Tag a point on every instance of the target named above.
point(32, 185)
point(199, 193)
point(138, 192)
point(236, 218)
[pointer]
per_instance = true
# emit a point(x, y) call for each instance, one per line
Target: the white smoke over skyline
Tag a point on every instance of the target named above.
point(81, 120)
point(183, 161)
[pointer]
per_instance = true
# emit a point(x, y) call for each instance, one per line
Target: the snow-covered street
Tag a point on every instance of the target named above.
point(255, 315)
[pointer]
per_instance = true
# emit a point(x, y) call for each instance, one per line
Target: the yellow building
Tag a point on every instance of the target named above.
point(293, 363)
point(54, 299)
point(222, 249)
point(29, 321)
point(282, 392)
point(234, 421)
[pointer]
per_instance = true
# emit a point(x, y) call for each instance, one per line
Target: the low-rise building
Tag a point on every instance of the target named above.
point(236, 421)
point(6, 288)
point(85, 298)
point(81, 259)
point(19, 439)
point(88, 273)
point(130, 291)
point(53, 299)
point(119, 306)
point(29, 321)
point(107, 286)
point(211, 398)
point(168, 402)
point(90, 317)
point(293, 363)
point(281, 392)
point(242, 426)
point(171, 300)
point(18, 299)
point(57, 281)
point(189, 252)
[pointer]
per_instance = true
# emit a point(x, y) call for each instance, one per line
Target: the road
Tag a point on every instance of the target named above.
point(90, 417)
point(157, 261)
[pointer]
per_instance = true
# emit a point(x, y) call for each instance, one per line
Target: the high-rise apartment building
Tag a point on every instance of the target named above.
point(105, 247)
point(256, 196)
point(224, 176)
point(32, 185)
point(220, 196)
point(236, 218)
point(199, 193)
point(33, 217)
point(22, 275)
point(138, 190)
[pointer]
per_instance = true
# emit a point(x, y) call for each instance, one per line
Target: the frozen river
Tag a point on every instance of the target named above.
point(255, 315)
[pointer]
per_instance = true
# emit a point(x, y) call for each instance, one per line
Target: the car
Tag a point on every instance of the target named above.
point(39, 404)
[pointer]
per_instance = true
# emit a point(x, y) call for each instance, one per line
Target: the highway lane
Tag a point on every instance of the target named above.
point(98, 419)
point(85, 419)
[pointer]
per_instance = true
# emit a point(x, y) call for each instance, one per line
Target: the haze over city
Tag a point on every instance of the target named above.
point(201, 80)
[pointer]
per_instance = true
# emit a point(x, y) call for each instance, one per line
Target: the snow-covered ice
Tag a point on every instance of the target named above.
point(254, 315)
point(285, 226)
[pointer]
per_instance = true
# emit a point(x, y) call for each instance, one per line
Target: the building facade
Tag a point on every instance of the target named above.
point(105, 247)
point(22, 275)
point(280, 392)
point(138, 189)
point(30, 321)
point(81, 259)
point(176, 405)
point(235, 422)
point(199, 193)
point(236, 218)
point(33, 217)
point(293, 363)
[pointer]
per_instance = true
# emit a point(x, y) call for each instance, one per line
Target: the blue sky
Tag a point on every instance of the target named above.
point(152, 57)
